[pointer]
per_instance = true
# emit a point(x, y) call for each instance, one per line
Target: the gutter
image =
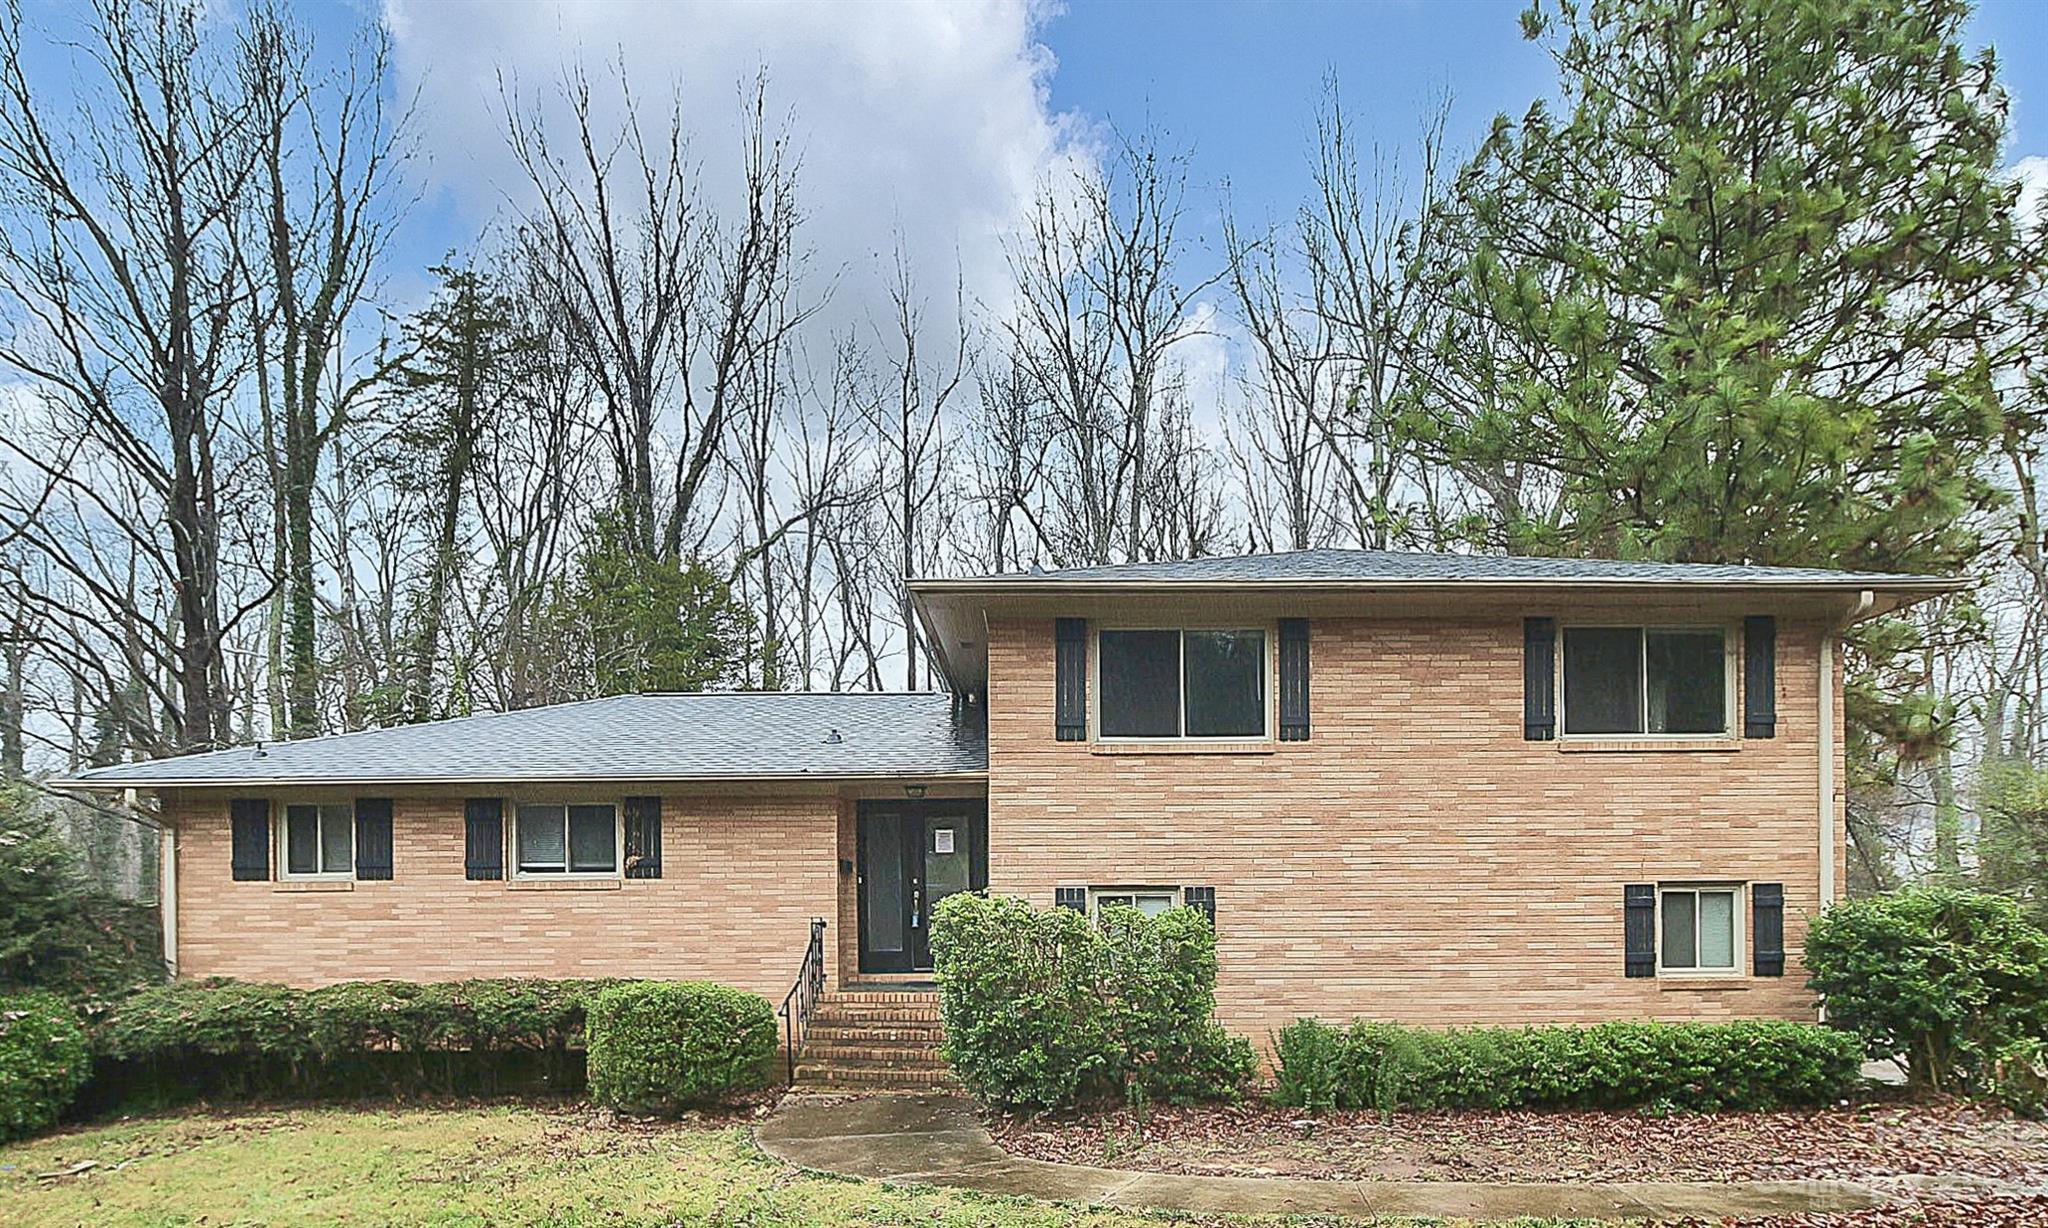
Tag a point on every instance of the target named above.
point(1024, 585)
point(336, 782)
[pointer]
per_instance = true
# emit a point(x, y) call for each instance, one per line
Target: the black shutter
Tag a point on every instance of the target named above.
point(643, 837)
point(1767, 927)
point(484, 843)
point(1639, 927)
point(1759, 676)
point(249, 832)
point(1075, 898)
point(1539, 679)
point(1070, 679)
point(373, 837)
point(1203, 898)
point(1294, 680)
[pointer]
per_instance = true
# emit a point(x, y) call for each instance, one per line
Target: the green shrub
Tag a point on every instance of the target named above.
point(44, 1060)
point(1752, 1064)
point(1954, 982)
point(57, 931)
point(233, 1038)
point(656, 1047)
point(1044, 1009)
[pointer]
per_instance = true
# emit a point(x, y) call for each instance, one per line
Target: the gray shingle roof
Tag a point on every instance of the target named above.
point(1325, 566)
point(711, 736)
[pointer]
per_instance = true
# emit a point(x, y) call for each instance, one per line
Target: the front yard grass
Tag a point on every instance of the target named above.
point(503, 1165)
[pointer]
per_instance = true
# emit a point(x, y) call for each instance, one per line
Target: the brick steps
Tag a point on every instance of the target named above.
point(874, 1040)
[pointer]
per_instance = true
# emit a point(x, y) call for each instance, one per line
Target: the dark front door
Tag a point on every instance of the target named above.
point(912, 854)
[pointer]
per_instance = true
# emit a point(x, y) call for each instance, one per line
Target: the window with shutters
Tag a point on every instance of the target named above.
point(317, 840)
point(1646, 681)
point(1183, 683)
point(1699, 929)
point(553, 839)
point(1148, 900)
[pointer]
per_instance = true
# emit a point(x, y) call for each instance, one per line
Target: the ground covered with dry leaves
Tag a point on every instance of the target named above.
point(1896, 1146)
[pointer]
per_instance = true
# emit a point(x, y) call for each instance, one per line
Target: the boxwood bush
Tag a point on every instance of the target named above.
point(234, 1038)
point(44, 1060)
point(1045, 1009)
point(1954, 982)
point(656, 1047)
point(1750, 1064)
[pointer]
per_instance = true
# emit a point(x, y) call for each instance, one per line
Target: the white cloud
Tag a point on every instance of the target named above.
point(2032, 174)
point(924, 117)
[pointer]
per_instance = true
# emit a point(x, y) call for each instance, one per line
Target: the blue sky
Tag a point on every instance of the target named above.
point(926, 124)
point(1239, 79)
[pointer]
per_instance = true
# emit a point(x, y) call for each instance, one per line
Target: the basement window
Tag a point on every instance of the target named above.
point(1148, 900)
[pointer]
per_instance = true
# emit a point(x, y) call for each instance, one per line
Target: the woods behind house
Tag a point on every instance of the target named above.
point(1752, 285)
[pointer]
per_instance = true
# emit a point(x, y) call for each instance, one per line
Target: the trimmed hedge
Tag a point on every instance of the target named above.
point(44, 1060)
point(657, 1047)
point(1751, 1064)
point(1045, 1010)
point(234, 1038)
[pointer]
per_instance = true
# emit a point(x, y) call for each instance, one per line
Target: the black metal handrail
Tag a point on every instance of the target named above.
point(803, 996)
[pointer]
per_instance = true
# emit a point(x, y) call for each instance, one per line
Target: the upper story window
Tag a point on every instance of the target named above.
point(576, 838)
point(1182, 684)
point(318, 839)
point(1646, 680)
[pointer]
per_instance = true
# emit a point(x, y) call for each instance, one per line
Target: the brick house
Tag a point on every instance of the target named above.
point(1426, 788)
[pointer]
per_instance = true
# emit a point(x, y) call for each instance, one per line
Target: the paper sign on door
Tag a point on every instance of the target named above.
point(942, 839)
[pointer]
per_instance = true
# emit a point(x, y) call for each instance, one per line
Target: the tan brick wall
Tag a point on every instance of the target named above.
point(1416, 860)
point(742, 877)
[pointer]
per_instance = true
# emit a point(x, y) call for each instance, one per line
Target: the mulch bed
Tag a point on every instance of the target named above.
point(1856, 1143)
point(1884, 1144)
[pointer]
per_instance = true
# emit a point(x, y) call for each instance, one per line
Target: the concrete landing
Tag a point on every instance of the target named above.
point(936, 1140)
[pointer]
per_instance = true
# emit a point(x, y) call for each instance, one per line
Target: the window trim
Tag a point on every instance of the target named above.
point(281, 838)
point(1738, 923)
point(517, 871)
point(1731, 700)
point(1269, 699)
point(1177, 894)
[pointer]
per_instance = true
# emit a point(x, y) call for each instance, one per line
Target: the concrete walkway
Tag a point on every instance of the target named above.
point(936, 1140)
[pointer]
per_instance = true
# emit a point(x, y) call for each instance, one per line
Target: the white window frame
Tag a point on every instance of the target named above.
point(519, 870)
point(1739, 911)
point(1096, 896)
point(1269, 699)
point(283, 841)
point(1730, 701)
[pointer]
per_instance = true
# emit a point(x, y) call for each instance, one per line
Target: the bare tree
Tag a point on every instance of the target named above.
point(124, 298)
point(321, 216)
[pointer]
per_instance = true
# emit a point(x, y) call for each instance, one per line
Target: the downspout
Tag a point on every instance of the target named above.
point(1864, 601)
point(166, 889)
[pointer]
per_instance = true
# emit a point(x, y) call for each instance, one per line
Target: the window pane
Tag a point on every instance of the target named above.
point(1153, 905)
point(1113, 901)
point(1717, 929)
point(1603, 684)
point(882, 903)
point(540, 838)
point(593, 842)
point(1688, 683)
point(302, 839)
point(1140, 673)
point(337, 838)
point(1681, 944)
point(1226, 680)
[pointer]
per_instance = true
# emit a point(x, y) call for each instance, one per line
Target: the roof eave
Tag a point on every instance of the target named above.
point(89, 785)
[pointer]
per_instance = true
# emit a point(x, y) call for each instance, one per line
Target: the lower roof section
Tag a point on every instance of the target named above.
point(710, 736)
